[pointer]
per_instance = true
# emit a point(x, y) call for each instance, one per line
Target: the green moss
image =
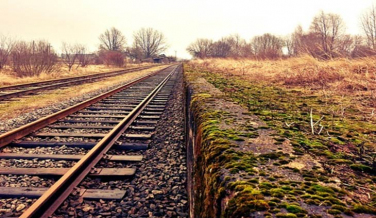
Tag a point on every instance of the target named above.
point(364, 209)
point(287, 188)
point(244, 203)
point(339, 207)
point(286, 215)
point(277, 192)
point(294, 209)
point(361, 167)
point(320, 188)
point(334, 211)
point(275, 106)
point(266, 185)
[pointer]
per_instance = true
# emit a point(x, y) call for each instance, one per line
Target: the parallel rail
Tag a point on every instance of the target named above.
point(56, 83)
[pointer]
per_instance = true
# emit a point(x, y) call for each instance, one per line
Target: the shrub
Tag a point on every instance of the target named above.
point(33, 58)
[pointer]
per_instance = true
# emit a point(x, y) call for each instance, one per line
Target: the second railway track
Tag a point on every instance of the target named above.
point(9, 92)
point(105, 129)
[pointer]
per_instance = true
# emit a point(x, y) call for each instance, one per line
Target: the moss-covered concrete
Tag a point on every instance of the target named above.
point(255, 155)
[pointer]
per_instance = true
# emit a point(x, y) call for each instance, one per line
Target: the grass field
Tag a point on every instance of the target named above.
point(304, 144)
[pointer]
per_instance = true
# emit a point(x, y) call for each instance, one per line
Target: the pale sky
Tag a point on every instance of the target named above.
point(181, 21)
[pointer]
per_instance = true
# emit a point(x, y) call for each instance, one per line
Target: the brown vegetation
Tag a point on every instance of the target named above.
point(11, 110)
point(356, 77)
point(8, 77)
point(114, 58)
point(33, 58)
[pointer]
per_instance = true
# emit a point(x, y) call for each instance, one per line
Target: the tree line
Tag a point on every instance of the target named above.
point(326, 38)
point(34, 57)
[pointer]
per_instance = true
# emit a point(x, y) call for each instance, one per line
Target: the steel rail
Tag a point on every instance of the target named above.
point(22, 131)
point(69, 78)
point(64, 82)
point(46, 205)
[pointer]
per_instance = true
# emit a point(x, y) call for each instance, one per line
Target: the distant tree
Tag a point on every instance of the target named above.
point(289, 44)
point(70, 54)
point(329, 28)
point(201, 48)
point(112, 40)
point(33, 58)
point(82, 56)
point(6, 46)
point(134, 53)
point(239, 46)
point(361, 48)
point(345, 46)
point(368, 24)
point(150, 42)
point(267, 46)
point(221, 49)
point(114, 58)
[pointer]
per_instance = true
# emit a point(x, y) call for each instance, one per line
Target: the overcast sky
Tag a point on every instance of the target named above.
point(182, 21)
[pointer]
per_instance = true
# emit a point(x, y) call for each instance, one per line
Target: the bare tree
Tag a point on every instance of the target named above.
point(134, 53)
point(115, 58)
point(82, 56)
point(239, 46)
point(70, 54)
point(346, 45)
point(289, 44)
point(150, 41)
point(329, 28)
point(6, 46)
point(368, 22)
point(221, 49)
point(267, 46)
point(33, 58)
point(201, 48)
point(361, 48)
point(112, 40)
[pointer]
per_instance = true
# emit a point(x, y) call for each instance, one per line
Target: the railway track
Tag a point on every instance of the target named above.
point(9, 92)
point(98, 138)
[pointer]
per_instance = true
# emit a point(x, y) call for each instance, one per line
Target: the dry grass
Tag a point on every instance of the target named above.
point(342, 77)
point(14, 109)
point(7, 77)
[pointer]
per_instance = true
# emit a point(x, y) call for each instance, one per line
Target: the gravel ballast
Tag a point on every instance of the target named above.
point(158, 188)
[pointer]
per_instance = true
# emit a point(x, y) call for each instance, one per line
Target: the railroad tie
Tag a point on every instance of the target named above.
point(102, 172)
point(118, 158)
point(86, 135)
point(89, 194)
point(85, 145)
